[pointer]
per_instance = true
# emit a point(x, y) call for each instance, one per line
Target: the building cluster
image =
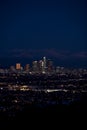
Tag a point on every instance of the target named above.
point(38, 66)
point(42, 66)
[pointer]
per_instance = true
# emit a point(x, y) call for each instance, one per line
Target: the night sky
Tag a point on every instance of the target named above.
point(32, 29)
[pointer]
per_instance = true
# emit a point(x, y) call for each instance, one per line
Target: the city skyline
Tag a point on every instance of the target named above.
point(32, 29)
point(41, 65)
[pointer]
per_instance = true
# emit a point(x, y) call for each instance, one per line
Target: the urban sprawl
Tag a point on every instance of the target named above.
point(41, 84)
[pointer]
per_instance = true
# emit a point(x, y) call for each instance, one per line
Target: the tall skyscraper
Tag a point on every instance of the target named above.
point(18, 66)
point(27, 67)
point(41, 66)
point(49, 65)
point(35, 66)
point(44, 64)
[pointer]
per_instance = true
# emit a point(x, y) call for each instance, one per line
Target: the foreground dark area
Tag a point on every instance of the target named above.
point(43, 101)
point(52, 116)
point(40, 109)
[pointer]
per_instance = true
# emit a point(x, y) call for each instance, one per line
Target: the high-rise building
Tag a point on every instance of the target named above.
point(35, 66)
point(18, 66)
point(44, 60)
point(41, 66)
point(27, 67)
point(44, 64)
point(12, 68)
point(49, 65)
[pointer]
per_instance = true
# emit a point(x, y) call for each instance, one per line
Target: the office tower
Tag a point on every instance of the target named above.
point(44, 64)
point(35, 66)
point(49, 65)
point(44, 60)
point(41, 66)
point(12, 68)
point(27, 67)
point(18, 66)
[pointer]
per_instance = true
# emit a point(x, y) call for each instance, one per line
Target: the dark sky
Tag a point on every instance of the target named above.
point(55, 28)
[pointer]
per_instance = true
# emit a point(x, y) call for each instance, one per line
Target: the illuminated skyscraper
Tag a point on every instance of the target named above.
point(44, 60)
point(41, 66)
point(44, 64)
point(18, 66)
point(35, 66)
